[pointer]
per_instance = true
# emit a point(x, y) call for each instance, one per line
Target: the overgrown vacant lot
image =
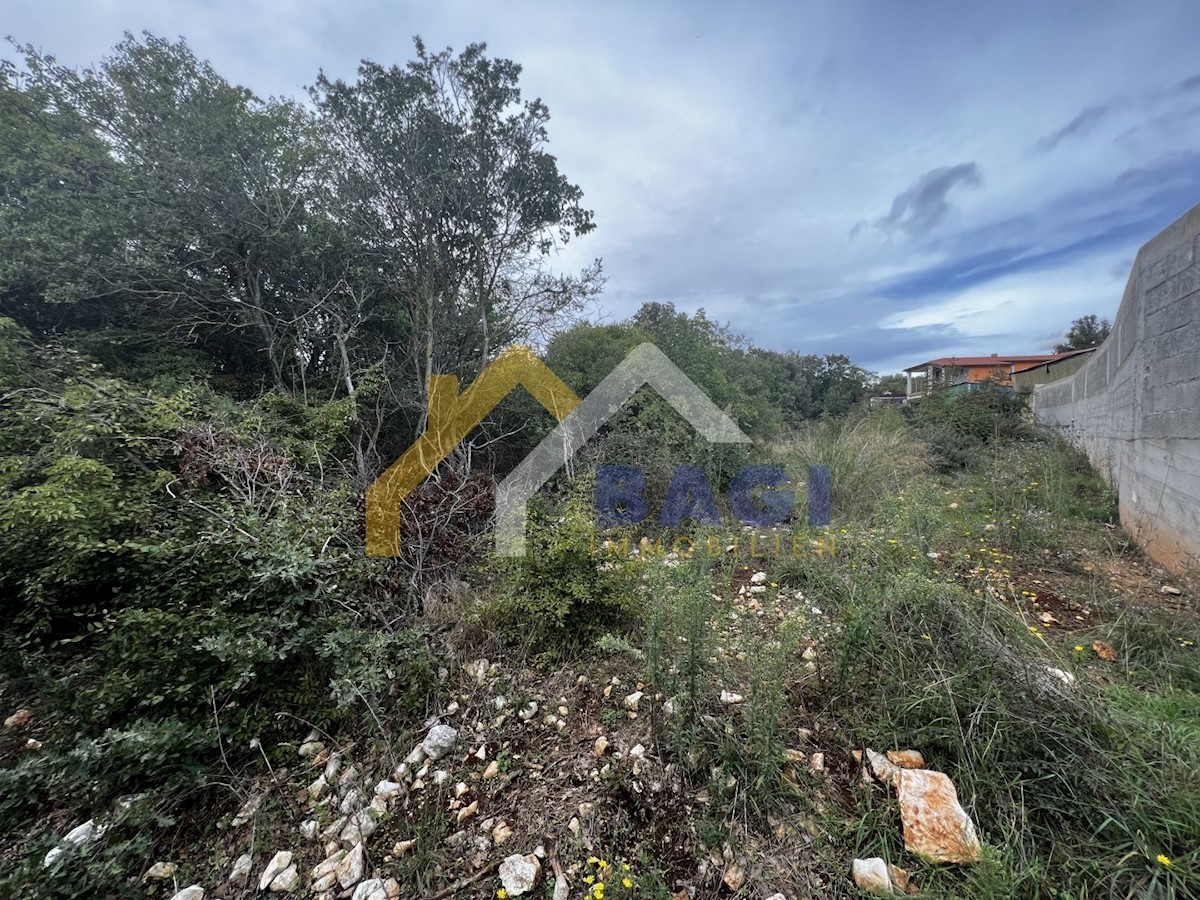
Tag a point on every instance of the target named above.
point(650, 720)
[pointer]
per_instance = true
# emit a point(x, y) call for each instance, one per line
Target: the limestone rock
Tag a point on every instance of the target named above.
point(519, 874)
point(19, 719)
point(734, 877)
point(501, 833)
point(286, 881)
point(309, 749)
point(377, 889)
point(160, 871)
point(240, 873)
point(351, 869)
point(388, 789)
point(878, 878)
point(631, 702)
point(279, 863)
point(79, 836)
point(195, 892)
point(439, 741)
point(730, 698)
point(907, 759)
point(403, 847)
point(882, 767)
point(936, 827)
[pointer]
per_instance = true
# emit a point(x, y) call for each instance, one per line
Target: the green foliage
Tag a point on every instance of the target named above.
point(1086, 331)
point(957, 425)
point(562, 595)
point(869, 458)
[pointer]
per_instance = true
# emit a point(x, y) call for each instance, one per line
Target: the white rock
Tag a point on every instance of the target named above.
point(286, 881)
point(519, 874)
point(318, 788)
point(248, 811)
point(310, 749)
point(500, 702)
point(360, 827)
point(195, 892)
point(871, 875)
point(879, 878)
point(351, 869)
point(1060, 675)
point(240, 873)
point(416, 756)
point(758, 578)
point(528, 711)
point(332, 766)
point(730, 697)
point(329, 866)
point(637, 751)
point(388, 789)
point(160, 871)
point(669, 708)
point(278, 864)
point(309, 829)
point(79, 836)
point(403, 847)
point(632, 701)
point(439, 741)
point(377, 889)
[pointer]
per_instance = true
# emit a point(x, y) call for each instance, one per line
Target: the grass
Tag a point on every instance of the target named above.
point(929, 641)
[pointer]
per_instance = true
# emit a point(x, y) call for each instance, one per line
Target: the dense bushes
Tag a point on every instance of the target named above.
point(561, 595)
point(957, 425)
point(177, 569)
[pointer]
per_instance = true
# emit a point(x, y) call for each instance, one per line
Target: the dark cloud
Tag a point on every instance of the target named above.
point(924, 205)
point(1077, 127)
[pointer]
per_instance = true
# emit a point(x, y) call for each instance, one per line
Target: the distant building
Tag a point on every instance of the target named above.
point(1025, 377)
point(962, 372)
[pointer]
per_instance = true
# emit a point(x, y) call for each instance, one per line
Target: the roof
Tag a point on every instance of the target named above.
point(1058, 357)
point(998, 360)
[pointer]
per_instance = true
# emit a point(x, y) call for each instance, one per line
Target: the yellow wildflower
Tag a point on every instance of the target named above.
point(626, 882)
point(1164, 859)
point(502, 893)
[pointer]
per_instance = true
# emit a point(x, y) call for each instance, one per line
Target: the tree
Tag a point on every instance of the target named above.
point(455, 205)
point(1086, 331)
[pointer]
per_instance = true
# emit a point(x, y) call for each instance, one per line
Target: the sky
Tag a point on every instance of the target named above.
point(891, 181)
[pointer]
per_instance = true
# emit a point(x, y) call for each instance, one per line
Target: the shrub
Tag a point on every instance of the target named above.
point(956, 425)
point(560, 597)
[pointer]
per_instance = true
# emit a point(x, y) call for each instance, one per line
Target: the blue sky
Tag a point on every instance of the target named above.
point(893, 181)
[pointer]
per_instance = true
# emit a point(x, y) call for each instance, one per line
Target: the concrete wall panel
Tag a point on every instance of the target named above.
point(1134, 406)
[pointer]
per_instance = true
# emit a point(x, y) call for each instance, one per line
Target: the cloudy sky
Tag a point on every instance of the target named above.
point(893, 181)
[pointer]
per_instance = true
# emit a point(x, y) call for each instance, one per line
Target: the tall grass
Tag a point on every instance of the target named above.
point(869, 457)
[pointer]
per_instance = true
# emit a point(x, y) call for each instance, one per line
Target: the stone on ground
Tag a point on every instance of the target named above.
point(936, 827)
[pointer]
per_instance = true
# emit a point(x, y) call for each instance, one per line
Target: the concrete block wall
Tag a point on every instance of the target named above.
point(1135, 406)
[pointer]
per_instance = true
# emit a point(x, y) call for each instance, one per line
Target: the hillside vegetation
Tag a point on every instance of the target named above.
point(219, 318)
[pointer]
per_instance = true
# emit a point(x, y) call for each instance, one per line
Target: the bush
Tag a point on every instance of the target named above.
point(560, 597)
point(956, 425)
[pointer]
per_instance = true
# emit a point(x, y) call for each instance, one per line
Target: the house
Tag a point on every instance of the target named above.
point(960, 372)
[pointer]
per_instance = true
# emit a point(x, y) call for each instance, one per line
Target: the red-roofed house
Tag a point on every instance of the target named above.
point(956, 371)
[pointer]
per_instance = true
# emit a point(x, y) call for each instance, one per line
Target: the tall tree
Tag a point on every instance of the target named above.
point(444, 178)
